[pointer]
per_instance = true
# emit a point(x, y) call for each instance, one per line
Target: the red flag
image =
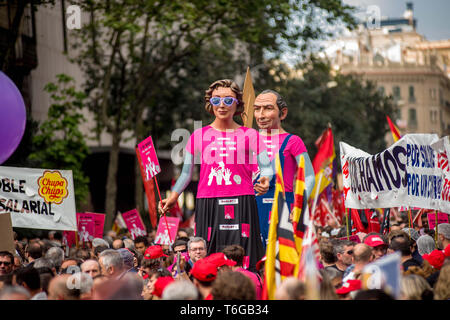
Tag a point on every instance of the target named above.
point(395, 132)
point(326, 153)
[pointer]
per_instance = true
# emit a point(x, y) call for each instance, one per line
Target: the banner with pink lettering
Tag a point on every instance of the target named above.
point(134, 223)
point(149, 158)
point(167, 232)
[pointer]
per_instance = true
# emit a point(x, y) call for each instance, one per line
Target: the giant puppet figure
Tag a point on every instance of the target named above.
point(269, 111)
point(226, 211)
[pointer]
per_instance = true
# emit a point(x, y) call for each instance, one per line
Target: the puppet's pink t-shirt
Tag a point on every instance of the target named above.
point(226, 160)
point(294, 147)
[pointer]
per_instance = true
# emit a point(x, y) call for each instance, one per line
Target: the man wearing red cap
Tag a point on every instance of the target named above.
point(379, 247)
point(154, 252)
point(204, 273)
point(345, 292)
point(160, 285)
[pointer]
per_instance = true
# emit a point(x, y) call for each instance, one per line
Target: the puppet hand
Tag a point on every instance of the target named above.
point(165, 204)
point(262, 186)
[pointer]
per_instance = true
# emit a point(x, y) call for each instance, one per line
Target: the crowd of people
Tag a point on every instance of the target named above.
point(119, 268)
point(224, 259)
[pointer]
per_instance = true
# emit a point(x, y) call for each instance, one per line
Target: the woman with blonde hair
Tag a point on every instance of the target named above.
point(442, 287)
point(226, 211)
point(414, 287)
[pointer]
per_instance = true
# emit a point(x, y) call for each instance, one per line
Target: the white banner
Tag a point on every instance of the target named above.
point(38, 198)
point(409, 173)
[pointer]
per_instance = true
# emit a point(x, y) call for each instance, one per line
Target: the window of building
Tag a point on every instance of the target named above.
point(411, 96)
point(441, 97)
point(433, 93)
point(396, 93)
point(381, 90)
point(433, 116)
point(412, 117)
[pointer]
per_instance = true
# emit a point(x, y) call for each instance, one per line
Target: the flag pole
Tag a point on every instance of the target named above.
point(348, 217)
point(436, 228)
point(165, 219)
point(316, 195)
point(409, 221)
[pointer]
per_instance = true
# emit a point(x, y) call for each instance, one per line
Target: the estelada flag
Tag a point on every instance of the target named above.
point(281, 253)
point(394, 130)
point(323, 161)
point(300, 206)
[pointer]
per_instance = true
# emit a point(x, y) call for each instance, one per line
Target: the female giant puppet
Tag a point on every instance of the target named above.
point(226, 211)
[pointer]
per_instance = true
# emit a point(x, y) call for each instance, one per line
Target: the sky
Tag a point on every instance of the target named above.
point(432, 16)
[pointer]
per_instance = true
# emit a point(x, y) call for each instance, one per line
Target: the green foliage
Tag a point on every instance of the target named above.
point(59, 143)
point(354, 107)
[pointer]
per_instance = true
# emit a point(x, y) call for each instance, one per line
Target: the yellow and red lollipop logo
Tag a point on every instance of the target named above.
point(53, 187)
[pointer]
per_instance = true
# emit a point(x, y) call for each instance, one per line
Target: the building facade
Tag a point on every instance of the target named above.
point(406, 66)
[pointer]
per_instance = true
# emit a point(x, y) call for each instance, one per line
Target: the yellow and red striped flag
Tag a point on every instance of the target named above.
point(395, 132)
point(281, 253)
point(300, 206)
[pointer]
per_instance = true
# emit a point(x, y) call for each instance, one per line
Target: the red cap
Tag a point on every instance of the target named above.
point(204, 270)
point(260, 263)
point(447, 251)
point(160, 284)
point(219, 259)
point(435, 258)
point(154, 252)
point(349, 286)
point(374, 241)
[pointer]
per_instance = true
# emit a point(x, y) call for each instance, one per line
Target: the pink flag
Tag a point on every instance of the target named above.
point(134, 223)
point(69, 239)
point(162, 233)
point(149, 159)
point(99, 221)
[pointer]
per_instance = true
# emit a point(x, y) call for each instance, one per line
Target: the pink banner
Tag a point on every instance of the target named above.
point(442, 218)
point(353, 238)
point(134, 223)
point(69, 238)
point(162, 234)
point(149, 158)
point(99, 221)
point(86, 227)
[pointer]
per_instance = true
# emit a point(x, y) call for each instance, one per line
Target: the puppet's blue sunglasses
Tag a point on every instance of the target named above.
point(228, 101)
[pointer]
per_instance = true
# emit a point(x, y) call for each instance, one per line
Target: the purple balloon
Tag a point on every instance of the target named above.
point(13, 117)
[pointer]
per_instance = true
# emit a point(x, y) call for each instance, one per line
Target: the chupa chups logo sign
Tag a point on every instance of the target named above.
point(53, 187)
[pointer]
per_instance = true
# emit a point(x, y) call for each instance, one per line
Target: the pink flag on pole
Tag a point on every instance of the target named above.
point(162, 234)
point(149, 158)
point(134, 223)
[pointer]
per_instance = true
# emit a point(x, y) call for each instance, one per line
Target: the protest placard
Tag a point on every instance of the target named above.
point(167, 233)
point(441, 217)
point(38, 198)
point(384, 273)
point(134, 223)
point(149, 159)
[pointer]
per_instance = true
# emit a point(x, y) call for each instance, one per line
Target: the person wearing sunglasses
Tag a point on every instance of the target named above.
point(270, 109)
point(6, 262)
point(226, 210)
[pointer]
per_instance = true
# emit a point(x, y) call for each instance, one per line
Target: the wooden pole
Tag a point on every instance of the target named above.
point(248, 96)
